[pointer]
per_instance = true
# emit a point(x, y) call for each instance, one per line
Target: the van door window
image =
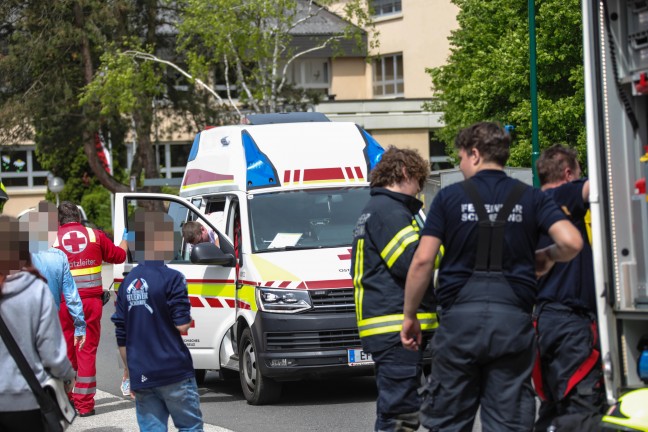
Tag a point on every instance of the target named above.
point(180, 215)
point(215, 211)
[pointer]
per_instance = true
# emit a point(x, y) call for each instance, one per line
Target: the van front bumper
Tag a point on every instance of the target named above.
point(293, 347)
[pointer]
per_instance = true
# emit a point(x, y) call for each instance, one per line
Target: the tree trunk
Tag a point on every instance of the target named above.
point(89, 148)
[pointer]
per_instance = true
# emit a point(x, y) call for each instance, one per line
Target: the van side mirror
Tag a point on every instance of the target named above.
point(209, 253)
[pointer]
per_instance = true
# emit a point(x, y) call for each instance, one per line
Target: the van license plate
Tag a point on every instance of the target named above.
point(358, 357)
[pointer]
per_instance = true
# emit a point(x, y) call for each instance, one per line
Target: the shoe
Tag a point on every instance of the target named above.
point(86, 414)
point(125, 387)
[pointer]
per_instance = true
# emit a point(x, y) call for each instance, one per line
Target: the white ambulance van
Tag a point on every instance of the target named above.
point(275, 302)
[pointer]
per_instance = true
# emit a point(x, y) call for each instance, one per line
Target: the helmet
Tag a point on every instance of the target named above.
point(630, 413)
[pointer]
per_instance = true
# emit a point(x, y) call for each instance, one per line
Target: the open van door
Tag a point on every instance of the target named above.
point(211, 286)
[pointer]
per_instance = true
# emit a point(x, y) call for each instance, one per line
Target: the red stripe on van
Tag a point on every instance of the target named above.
point(211, 281)
point(195, 302)
point(214, 302)
point(335, 283)
point(349, 172)
point(318, 174)
point(230, 303)
point(358, 171)
point(243, 305)
point(194, 176)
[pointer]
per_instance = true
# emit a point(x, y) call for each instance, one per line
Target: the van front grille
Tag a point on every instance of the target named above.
point(313, 340)
point(332, 301)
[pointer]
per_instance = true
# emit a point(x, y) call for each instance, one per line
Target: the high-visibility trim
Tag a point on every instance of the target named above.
point(83, 285)
point(397, 245)
point(357, 278)
point(86, 271)
point(91, 235)
point(81, 379)
point(394, 323)
point(88, 277)
point(439, 257)
point(84, 390)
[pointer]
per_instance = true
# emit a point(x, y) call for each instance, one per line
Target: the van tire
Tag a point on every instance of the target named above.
point(200, 376)
point(257, 389)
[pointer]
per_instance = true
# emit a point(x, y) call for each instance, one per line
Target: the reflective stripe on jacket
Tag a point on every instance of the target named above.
point(385, 239)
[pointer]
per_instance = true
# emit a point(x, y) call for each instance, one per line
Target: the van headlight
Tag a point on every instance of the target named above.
point(283, 300)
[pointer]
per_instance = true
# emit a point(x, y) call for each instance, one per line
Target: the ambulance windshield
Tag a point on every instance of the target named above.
point(308, 219)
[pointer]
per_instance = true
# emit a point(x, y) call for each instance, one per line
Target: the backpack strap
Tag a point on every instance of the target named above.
point(491, 232)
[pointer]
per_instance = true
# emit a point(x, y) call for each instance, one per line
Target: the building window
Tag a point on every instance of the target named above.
point(386, 7)
point(309, 73)
point(439, 159)
point(388, 76)
point(19, 167)
point(172, 159)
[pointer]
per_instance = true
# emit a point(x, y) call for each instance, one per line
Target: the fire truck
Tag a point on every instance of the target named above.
point(616, 93)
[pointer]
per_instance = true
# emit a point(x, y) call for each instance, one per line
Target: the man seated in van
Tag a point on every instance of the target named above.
point(194, 232)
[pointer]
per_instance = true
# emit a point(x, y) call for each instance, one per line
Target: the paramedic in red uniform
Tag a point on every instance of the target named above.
point(86, 248)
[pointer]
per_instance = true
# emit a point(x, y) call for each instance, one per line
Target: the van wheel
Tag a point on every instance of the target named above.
point(200, 375)
point(257, 389)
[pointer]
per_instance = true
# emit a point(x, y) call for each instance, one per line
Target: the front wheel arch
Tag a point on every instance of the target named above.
point(257, 388)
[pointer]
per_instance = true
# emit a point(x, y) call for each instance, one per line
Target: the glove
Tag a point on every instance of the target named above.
point(105, 297)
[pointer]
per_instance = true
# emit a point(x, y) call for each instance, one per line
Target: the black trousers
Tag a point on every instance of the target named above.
point(398, 377)
point(20, 421)
point(565, 341)
point(482, 355)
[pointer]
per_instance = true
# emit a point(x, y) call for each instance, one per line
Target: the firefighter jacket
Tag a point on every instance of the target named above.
point(384, 241)
point(86, 248)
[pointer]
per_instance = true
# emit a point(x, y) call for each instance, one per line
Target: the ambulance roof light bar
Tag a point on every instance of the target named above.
point(287, 117)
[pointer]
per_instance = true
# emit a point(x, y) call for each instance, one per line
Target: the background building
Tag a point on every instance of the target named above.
point(384, 95)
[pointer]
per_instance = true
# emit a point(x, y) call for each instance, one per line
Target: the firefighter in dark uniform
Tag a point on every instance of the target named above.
point(569, 376)
point(385, 239)
point(483, 350)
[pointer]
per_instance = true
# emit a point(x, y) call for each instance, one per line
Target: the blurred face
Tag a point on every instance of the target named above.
point(160, 243)
point(10, 261)
point(12, 258)
point(42, 228)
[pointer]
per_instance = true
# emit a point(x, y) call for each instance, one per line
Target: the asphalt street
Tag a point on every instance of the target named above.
point(117, 414)
point(327, 405)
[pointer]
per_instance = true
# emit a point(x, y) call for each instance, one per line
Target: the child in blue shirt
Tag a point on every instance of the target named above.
point(151, 311)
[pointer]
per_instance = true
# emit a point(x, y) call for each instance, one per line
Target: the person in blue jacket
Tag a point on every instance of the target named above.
point(151, 312)
point(568, 376)
point(42, 226)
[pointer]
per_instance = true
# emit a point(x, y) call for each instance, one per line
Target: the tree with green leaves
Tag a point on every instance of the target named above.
point(50, 53)
point(68, 71)
point(46, 52)
point(62, 81)
point(487, 73)
point(250, 42)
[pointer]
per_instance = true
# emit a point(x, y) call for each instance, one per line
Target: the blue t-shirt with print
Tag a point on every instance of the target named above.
point(151, 301)
point(452, 219)
point(570, 283)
